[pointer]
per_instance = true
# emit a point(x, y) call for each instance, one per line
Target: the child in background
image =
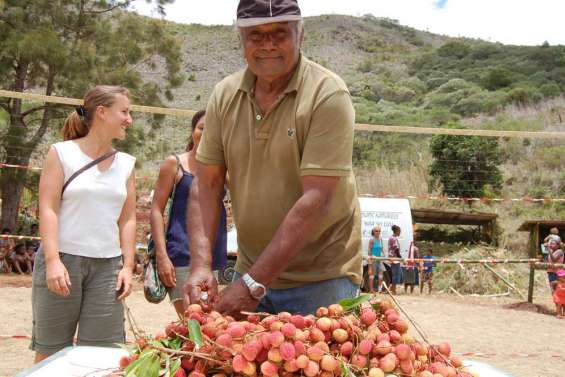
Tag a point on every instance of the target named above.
point(553, 236)
point(31, 249)
point(427, 271)
point(6, 248)
point(22, 262)
point(559, 294)
point(555, 255)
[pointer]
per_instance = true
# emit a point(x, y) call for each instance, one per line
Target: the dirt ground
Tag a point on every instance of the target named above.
point(523, 343)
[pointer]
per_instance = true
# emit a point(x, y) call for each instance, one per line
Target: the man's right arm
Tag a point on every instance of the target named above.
point(203, 217)
point(204, 204)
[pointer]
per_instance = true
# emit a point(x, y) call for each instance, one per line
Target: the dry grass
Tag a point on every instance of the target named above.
point(476, 279)
point(411, 181)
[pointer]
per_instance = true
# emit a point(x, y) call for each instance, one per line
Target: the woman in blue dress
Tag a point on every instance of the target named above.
point(172, 242)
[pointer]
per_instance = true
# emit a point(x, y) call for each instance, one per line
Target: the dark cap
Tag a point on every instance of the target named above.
point(259, 12)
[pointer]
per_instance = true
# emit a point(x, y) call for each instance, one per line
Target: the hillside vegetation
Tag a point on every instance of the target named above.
point(398, 75)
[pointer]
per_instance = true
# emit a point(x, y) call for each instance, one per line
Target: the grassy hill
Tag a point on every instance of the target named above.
point(398, 75)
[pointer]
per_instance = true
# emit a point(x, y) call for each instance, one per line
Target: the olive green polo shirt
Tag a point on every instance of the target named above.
point(308, 132)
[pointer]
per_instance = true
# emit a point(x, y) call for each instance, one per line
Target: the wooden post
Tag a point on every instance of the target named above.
point(534, 242)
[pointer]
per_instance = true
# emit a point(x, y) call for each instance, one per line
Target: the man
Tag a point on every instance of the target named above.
point(283, 130)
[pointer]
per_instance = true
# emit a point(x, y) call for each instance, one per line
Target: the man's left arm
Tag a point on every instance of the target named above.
point(293, 233)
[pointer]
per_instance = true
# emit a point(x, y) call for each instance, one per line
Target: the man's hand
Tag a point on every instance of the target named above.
point(236, 298)
point(166, 271)
point(200, 279)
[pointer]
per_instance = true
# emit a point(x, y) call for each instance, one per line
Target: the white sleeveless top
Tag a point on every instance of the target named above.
point(92, 203)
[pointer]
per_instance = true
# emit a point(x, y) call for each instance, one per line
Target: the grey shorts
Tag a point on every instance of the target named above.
point(378, 268)
point(92, 305)
point(181, 273)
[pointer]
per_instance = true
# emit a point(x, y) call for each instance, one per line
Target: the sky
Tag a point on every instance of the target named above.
point(518, 22)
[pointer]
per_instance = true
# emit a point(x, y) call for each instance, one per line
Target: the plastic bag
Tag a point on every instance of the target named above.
point(153, 288)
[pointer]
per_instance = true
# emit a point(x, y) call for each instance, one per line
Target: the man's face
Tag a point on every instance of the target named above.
point(272, 50)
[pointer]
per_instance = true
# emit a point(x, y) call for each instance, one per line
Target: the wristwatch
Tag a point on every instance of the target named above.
point(257, 290)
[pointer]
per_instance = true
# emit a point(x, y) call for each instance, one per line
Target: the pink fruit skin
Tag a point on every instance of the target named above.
point(287, 351)
point(403, 351)
point(268, 368)
point(365, 346)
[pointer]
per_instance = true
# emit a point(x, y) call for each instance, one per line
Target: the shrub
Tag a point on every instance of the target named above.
point(454, 49)
point(497, 78)
point(550, 90)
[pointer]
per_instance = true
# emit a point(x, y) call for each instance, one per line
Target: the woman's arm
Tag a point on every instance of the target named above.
point(126, 225)
point(370, 248)
point(161, 192)
point(50, 186)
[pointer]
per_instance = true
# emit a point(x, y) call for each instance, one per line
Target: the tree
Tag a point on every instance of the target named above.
point(465, 166)
point(65, 47)
point(497, 78)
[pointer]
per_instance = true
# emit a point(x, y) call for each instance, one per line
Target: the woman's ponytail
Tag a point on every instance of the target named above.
point(74, 127)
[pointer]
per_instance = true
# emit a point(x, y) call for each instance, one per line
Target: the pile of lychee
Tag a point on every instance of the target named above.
point(371, 340)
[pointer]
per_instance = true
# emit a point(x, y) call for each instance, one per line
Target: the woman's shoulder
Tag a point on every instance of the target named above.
point(63, 145)
point(170, 163)
point(126, 157)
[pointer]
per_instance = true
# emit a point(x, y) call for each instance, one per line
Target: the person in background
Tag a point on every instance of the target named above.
point(376, 267)
point(7, 246)
point(34, 232)
point(559, 294)
point(427, 268)
point(83, 269)
point(555, 255)
point(411, 270)
point(172, 244)
point(394, 252)
point(31, 250)
point(553, 236)
point(21, 260)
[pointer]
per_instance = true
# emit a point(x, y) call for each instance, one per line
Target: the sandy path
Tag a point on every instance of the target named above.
point(522, 343)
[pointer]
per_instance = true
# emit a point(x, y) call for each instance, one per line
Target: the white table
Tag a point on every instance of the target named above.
point(97, 361)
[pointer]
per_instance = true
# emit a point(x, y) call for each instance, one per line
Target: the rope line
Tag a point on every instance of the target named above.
point(358, 127)
point(531, 261)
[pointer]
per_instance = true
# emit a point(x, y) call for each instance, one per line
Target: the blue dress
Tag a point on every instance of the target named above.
point(177, 237)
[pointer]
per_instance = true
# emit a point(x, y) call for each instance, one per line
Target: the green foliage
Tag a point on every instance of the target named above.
point(66, 47)
point(497, 78)
point(550, 90)
point(466, 166)
point(454, 49)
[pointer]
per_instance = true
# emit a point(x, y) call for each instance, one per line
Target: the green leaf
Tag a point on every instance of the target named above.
point(175, 365)
point(352, 303)
point(195, 333)
point(175, 344)
point(153, 368)
point(166, 372)
point(345, 371)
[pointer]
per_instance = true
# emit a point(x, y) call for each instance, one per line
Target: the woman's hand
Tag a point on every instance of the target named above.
point(124, 283)
point(57, 276)
point(166, 271)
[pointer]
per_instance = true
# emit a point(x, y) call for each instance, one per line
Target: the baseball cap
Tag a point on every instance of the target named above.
point(259, 12)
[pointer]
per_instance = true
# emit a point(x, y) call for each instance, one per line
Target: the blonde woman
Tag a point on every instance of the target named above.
point(376, 267)
point(87, 223)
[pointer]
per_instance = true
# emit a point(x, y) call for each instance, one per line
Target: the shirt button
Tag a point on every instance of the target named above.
point(258, 116)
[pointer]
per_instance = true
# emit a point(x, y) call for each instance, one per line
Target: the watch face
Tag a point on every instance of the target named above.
point(257, 292)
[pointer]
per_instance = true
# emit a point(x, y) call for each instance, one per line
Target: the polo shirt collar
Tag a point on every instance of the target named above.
point(248, 80)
